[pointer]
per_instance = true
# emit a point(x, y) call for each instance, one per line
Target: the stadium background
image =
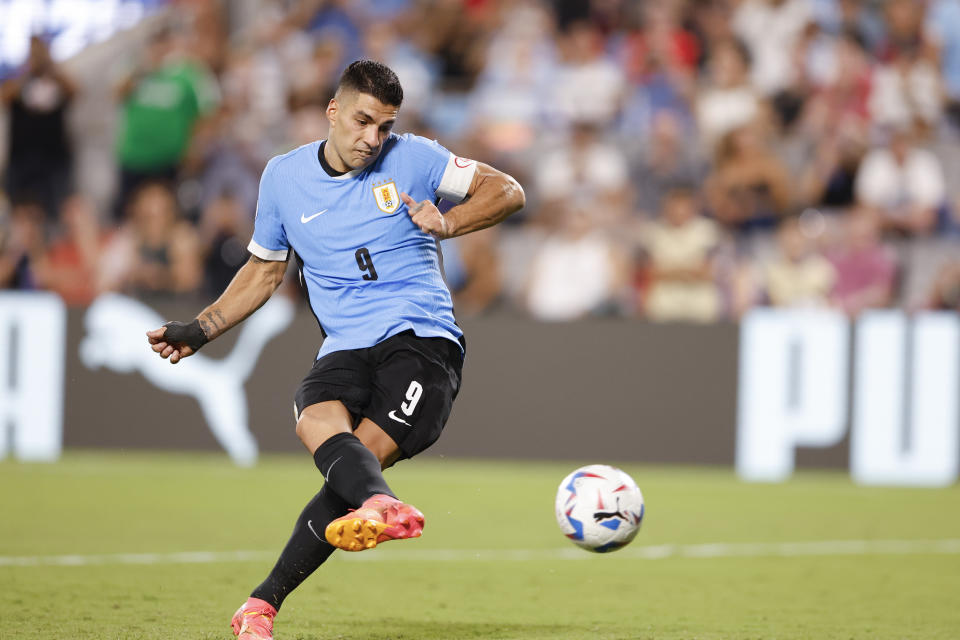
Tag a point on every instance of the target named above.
point(709, 183)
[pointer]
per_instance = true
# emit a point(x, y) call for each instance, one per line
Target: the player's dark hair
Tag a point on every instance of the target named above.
point(372, 78)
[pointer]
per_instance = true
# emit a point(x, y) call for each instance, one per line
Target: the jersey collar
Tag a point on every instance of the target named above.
point(330, 171)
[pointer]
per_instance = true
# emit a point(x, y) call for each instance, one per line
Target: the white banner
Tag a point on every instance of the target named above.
point(793, 386)
point(32, 343)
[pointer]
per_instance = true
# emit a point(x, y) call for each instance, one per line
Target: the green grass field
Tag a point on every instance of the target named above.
point(491, 564)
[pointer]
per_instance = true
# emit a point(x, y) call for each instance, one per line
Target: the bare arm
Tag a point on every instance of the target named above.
point(10, 89)
point(250, 288)
point(125, 87)
point(493, 195)
point(67, 85)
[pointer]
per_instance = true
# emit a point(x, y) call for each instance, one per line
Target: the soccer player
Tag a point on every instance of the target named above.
point(358, 212)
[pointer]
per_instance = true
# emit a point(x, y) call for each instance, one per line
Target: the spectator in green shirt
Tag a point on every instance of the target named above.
point(161, 103)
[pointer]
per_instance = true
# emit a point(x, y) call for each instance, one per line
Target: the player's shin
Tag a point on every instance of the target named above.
point(350, 469)
point(305, 551)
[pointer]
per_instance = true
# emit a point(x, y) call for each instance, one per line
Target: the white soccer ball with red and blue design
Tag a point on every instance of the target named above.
point(599, 508)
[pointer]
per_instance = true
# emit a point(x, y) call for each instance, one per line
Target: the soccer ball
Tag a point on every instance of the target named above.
point(599, 507)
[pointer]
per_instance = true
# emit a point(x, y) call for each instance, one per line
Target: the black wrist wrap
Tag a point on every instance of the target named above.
point(190, 334)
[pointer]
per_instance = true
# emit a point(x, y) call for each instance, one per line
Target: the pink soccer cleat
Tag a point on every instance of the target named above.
point(379, 518)
point(254, 620)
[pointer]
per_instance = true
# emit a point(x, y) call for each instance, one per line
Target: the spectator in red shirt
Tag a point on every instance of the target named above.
point(663, 43)
point(866, 269)
point(73, 260)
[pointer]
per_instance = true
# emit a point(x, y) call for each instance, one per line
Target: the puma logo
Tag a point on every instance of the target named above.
point(606, 515)
point(115, 327)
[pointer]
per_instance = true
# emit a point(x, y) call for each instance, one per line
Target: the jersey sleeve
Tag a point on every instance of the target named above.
point(449, 176)
point(269, 240)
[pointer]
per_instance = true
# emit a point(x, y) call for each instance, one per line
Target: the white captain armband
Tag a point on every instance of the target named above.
point(457, 178)
point(273, 255)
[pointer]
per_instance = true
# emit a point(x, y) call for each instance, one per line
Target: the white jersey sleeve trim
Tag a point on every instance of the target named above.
point(457, 178)
point(276, 255)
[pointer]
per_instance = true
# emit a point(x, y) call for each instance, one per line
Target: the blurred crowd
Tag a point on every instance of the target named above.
point(683, 160)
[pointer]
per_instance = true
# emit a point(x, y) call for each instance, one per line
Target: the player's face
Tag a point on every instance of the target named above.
point(359, 124)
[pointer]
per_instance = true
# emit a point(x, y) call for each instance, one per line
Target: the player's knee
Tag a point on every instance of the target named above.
point(312, 431)
point(381, 444)
point(387, 458)
point(320, 421)
point(315, 428)
point(301, 429)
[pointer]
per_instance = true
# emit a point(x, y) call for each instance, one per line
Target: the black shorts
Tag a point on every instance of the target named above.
point(405, 384)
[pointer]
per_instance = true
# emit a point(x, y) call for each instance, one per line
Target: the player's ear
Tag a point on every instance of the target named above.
point(333, 109)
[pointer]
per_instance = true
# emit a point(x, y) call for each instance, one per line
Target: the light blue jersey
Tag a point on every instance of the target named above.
point(370, 272)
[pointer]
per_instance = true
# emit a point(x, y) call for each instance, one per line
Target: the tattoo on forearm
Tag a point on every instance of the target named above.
point(207, 329)
point(223, 320)
point(256, 259)
point(213, 320)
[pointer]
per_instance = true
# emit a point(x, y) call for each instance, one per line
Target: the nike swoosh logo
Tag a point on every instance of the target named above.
point(304, 219)
point(310, 526)
point(393, 416)
point(330, 469)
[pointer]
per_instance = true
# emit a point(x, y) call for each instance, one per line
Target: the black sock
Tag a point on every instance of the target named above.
point(305, 551)
point(350, 469)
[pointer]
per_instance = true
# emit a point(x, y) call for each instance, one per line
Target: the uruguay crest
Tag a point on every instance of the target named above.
point(387, 197)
